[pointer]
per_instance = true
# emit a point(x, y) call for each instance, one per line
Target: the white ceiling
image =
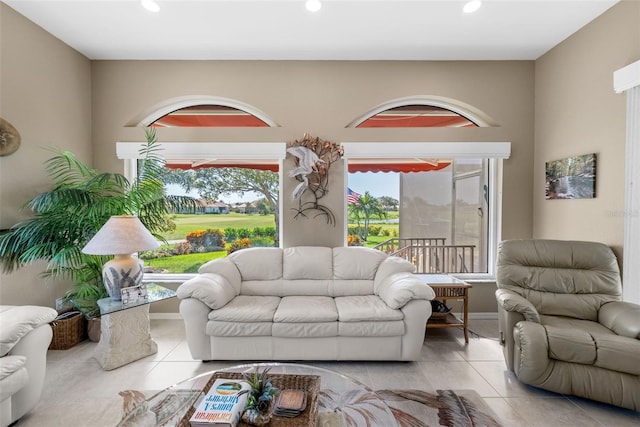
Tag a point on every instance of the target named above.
point(285, 30)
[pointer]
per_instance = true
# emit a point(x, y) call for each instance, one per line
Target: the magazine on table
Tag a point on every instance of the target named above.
point(223, 404)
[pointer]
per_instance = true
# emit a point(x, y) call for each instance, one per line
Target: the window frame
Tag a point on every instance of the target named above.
point(129, 152)
point(495, 152)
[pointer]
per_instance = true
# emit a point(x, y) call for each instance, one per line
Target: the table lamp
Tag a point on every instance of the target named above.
point(121, 235)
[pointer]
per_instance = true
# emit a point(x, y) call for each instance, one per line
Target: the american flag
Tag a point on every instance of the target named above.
point(352, 196)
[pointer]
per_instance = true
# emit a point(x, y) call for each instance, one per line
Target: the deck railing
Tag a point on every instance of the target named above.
point(394, 244)
point(431, 255)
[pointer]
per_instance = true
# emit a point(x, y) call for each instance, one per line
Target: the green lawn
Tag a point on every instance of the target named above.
point(183, 263)
point(187, 223)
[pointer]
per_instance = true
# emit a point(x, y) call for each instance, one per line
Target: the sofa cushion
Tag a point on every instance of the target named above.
point(258, 263)
point(365, 307)
point(593, 345)
point(218, 328)
point(307, 287)
point(571, 345)
point(306, 309)
point(561, 278)
point(307, 262)
point(262, 287)
point(247, 308)
point(341, 288)
point(371, 329)
point(13, 375)
point(18, 321)
point(575, 324)
point(356, 263)
point(305, 329)
point(618, 353)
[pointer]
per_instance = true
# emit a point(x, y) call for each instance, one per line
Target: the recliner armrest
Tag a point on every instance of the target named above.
point(510, 301)
point(621, 317)
point(212, 289)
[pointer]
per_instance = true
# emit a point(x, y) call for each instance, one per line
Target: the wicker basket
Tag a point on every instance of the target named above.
point(69, 328)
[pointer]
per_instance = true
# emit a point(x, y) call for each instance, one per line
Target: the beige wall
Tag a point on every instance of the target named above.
point(321, 98)
point(577, 112)
point(45, 89)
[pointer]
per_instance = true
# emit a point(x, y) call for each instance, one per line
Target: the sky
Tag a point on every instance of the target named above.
point(378, 184)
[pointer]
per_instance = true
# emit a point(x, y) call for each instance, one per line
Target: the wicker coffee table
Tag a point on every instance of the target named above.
point(329, 395)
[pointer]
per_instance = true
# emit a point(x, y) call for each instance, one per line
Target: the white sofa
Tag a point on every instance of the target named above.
point(25, 335)
point(306, 303)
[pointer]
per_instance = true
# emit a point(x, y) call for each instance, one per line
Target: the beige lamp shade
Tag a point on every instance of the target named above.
point(123, 234)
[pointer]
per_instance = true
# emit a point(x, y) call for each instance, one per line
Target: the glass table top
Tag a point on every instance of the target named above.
point(155, 293)
point(339, 393)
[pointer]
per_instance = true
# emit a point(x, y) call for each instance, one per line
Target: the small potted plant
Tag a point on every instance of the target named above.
point(258, 410)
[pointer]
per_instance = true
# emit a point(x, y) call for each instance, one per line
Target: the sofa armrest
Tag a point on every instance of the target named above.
point(510, 301)
point(390, 266)
point(398, 289)
point(18, 321)
point(621, 317)
point(212, 289)
point(225, 268)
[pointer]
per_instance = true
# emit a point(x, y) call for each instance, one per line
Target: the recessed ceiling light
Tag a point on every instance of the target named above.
point(472, 6)
point(150, 5)
point(313, 5)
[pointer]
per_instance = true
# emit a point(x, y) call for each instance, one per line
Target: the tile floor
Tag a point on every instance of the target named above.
point(79, 393)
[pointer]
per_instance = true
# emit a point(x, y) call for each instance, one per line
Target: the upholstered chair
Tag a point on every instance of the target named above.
point(25, 335)
point(562, 323)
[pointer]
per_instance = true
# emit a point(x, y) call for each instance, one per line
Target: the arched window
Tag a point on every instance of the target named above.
point(235, 185)
point(209, 115)
point(416, 116)
point(437, 201)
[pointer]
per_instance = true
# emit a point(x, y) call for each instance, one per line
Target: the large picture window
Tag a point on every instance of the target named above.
point(446, 214)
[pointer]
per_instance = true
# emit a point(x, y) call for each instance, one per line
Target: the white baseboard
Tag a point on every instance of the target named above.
point(483, 316)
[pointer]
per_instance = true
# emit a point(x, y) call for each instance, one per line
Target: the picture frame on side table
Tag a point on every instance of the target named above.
point(134, 293)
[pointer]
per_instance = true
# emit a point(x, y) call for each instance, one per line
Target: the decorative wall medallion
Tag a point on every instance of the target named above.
point(9, 138)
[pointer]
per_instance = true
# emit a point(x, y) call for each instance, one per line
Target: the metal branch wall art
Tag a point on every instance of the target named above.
point(313, 158)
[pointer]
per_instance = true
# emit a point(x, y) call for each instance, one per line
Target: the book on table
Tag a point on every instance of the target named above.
point(223, 404)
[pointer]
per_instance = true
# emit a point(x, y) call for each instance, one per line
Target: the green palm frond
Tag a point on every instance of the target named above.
point(65, 169)
point(81, 201)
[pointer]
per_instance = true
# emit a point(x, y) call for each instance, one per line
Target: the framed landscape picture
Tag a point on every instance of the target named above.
point(571, 178)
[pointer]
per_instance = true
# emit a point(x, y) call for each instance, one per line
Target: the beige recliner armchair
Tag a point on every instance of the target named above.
point(562, 322)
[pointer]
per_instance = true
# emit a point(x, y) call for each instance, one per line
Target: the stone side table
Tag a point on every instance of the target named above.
point(125, 332)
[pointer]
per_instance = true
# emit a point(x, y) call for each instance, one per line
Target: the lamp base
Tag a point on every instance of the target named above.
point(121, 272)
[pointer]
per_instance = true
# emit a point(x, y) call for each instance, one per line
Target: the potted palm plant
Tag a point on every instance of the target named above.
point(82, 199)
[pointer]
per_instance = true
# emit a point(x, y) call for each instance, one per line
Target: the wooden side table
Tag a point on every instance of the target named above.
point(447, 287)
